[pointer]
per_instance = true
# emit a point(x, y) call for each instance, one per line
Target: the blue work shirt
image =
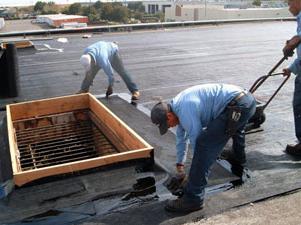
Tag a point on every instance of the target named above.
point(102, 53)
point(295, 67)
point(196, 107)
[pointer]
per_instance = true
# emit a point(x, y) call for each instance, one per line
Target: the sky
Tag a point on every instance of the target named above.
point(32, 2)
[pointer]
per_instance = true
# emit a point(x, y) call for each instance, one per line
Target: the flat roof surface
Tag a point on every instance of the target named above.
point(165, 62)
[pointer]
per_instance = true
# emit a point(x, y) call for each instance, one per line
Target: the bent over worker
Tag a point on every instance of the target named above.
point(105, 55)
point(209, 115)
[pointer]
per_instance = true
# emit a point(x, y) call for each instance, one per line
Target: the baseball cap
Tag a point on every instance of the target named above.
point(159, 116)
point(85, 61)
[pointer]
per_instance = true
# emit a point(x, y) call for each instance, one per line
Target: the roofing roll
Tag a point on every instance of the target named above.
point(12, 75)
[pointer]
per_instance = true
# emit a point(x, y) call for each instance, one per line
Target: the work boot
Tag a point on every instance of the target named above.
point(294, 149)
point(183, 205)
point(135, 95)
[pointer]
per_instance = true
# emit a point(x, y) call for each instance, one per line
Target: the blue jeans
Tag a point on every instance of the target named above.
point(297, 106)
point(210, 144)
point(117, 65)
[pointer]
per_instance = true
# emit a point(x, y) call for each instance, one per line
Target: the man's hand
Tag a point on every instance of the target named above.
point(286, 72)
point(291, 44)
point(109, 91)
point(176, 182)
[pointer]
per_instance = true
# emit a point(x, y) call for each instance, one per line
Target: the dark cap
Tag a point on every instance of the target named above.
point(159, 116)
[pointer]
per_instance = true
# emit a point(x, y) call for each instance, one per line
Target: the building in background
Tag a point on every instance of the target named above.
point(153, 7)
point(62, 20)
point(192, 11)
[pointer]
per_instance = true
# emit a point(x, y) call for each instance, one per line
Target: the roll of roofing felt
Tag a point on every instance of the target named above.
point(6, 172)
point(12, 71)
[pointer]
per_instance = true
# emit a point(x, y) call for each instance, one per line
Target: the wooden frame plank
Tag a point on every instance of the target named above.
point(49, 106)
point(22, 178)
point(13, 147)
point(131, 145)
point(121, 147)
point(125, 134)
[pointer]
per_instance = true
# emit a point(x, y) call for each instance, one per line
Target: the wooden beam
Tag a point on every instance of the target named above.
point(48, 106)
point(107, 131)
point(13, 147)
point(28, 176)
point(124, 133)
point(17, 43)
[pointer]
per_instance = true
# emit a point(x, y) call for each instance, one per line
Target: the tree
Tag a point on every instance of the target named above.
point(257, 2)
point(107, 10)
point(136, 6)
point(39, 6)
point(75, 9)
point(50, 8)
point(98, 5)
point(137, 15)
point(94, 15)
point(120, 14)
point(160, 16)
point(51, 3)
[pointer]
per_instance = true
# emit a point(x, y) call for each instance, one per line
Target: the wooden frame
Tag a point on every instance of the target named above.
point(129, 144)
point(22, 43)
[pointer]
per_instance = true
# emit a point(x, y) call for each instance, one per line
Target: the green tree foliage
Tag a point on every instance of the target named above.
point(74, 9)
point(137, 15)
point(39, 6)
point(51, 3)
point(160, 16)
point(115, 12)
point(120, 14)
point(94, 14)
point(50, 8)
point(46, 8)
point(136, 6)
point(98, 5)
point(107, 11)
point(257, 2)
point(99, 11)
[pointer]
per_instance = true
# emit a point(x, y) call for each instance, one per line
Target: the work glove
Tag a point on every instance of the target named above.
point(175, 183)
point(109, 91)
point(291, 44)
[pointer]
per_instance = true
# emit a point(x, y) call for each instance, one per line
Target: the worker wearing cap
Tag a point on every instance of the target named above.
point(105, 55)
point(208, 115)
point(295, 67)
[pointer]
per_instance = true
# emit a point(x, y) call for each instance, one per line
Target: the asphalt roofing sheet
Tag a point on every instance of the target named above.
point(164, 62)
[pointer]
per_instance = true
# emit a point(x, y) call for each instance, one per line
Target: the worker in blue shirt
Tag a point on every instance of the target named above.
point(295, 67)
point(105, 55)
point(208, 115)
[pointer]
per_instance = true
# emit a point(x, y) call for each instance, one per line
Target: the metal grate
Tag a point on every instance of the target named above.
point(61, 143)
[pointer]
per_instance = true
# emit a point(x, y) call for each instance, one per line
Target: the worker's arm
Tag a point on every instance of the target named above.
point(181, 145)
point(293, 43)
point(295, 67)
point(193, 127)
